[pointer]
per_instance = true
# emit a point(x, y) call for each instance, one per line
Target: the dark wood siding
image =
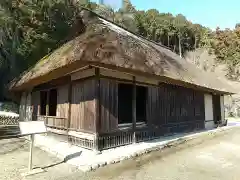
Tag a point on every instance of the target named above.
point(153, 116)
point(169, 108)
point(108, 105)
point(175, 108)
point(216, 108)
point(83, 110)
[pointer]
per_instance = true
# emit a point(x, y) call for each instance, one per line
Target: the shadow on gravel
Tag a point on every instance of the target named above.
point(49, 166)
point(67, 158)
point(71, 156)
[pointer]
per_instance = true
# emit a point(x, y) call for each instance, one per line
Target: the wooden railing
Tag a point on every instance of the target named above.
point(54, 122)
point(82, 142)
point(116, 139)
point(121, 138)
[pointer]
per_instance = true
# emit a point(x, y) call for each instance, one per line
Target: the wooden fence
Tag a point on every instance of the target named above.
point(9, 121)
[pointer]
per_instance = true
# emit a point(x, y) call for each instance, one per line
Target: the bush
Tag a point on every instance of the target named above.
point(9, 107)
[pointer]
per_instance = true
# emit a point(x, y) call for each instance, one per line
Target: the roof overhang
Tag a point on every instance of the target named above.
point(77, 65)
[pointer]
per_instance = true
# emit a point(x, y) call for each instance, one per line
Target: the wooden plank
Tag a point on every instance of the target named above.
point(69, 104)
point(22, 109)
point(109, 105)
point(112, 105)
point(83, 74)
point(102, 82)
point(53, 83)
point(114, 120)
point(73, 107)
point(105, 105)
point(115, 74)
point(35, 104)
point(84, 106)
point(98, 101)
point(47, 106)
point(80, 122)
point(134, 115)
point(63, 101)
point(107, 109)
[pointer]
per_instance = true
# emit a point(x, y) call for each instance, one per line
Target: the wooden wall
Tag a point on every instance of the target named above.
point(25, 111)
point(83, 108)
point(108, 105)
point(216, 108)
point(167, 106)
point(174, 107)
point(62, 101)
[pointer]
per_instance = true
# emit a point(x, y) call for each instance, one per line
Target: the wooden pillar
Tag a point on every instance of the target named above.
point(134, 117)
point(69, 104)
point(47, 106)
point(38, 103)
point(98, 109)
point(38, 109)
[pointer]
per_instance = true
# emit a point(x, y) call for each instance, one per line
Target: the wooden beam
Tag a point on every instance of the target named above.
point(53, 84)
point(134, 117)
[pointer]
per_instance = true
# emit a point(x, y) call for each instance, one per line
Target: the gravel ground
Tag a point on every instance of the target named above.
point(215, 158)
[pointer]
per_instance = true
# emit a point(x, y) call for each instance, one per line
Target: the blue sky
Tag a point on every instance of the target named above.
point(210, 13)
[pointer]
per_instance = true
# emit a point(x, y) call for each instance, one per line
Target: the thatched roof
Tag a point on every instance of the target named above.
point(105, 43)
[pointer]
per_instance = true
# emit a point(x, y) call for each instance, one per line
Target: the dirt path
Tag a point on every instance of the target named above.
point(217, 158)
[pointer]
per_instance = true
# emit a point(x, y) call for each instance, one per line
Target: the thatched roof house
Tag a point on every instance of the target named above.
point(111, 56)
point(105, 44)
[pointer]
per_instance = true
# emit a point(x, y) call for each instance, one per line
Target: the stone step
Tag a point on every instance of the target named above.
point(11, 131)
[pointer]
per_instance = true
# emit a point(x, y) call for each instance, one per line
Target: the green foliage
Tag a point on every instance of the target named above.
point(30, 29)
point(9, 107)
point(226, 46)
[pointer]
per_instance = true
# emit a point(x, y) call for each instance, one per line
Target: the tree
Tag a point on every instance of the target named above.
point(31, 29)
point(128, 7)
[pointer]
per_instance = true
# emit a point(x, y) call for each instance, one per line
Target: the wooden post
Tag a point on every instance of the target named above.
point(30, 152)
point(98, 109)
point(47, 106)
point(69, 104)
point(134, 117)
